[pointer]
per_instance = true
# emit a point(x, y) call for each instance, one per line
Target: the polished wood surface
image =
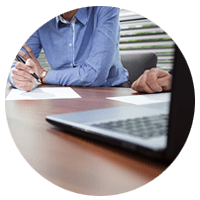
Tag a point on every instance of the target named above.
point(75, 163)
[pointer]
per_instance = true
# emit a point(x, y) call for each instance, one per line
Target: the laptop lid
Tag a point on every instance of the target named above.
point(182, 106)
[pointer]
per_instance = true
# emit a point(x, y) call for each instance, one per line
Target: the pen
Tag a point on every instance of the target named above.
point(22, 61)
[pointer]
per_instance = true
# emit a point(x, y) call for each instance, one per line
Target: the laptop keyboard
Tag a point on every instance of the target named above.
point(145, 127)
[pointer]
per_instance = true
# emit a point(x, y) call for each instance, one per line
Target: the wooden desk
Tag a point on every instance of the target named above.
point(71, 162)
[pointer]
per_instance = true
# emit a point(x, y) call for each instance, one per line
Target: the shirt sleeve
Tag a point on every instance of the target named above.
point(34, 43)
point(95, 70)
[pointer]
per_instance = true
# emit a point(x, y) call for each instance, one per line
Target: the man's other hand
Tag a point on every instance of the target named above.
point(152, 81)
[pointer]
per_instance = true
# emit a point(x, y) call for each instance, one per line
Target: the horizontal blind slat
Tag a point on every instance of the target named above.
point(140, 35)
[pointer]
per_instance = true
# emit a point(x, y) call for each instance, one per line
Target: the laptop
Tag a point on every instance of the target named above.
point(156, 130)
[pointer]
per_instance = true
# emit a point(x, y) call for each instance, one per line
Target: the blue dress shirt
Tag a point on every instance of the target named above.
point(84, 51)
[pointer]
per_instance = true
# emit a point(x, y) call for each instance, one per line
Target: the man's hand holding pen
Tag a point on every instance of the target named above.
point(22, 75)
point(28, 71)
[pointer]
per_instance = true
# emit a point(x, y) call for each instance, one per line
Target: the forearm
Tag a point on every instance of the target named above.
point(79, 76)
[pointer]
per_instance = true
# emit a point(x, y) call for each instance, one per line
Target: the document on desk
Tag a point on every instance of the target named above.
point(43, 93)
point(144, 99)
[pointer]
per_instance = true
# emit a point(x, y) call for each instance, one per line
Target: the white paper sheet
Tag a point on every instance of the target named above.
point(144, 99)
point(43, 93)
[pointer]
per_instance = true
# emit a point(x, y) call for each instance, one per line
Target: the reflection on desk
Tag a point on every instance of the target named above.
point(71, 162)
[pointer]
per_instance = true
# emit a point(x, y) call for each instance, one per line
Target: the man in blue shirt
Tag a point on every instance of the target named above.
point(82, 49)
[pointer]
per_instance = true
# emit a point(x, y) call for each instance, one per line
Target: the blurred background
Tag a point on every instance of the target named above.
point(139, 35)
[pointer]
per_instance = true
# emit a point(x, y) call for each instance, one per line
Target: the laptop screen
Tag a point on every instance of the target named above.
point(182, 106)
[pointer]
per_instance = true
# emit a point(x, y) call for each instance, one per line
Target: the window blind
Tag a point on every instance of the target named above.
point(140, 35)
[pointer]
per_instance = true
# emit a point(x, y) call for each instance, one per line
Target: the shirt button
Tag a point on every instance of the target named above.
point(71, 64)
point(70, 44)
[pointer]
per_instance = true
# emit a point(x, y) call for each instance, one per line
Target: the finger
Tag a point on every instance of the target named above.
point(142, 83)
point(165, 82)
point(152, 77)
point(19, 84)
point(25, 85)
point(24, 67)
point(30, 63)
point(24, 75)
point(134, 85)
point(24, 71)
point(20, 78)
point(34, 70)
point(161, 73)
point(28, 70)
